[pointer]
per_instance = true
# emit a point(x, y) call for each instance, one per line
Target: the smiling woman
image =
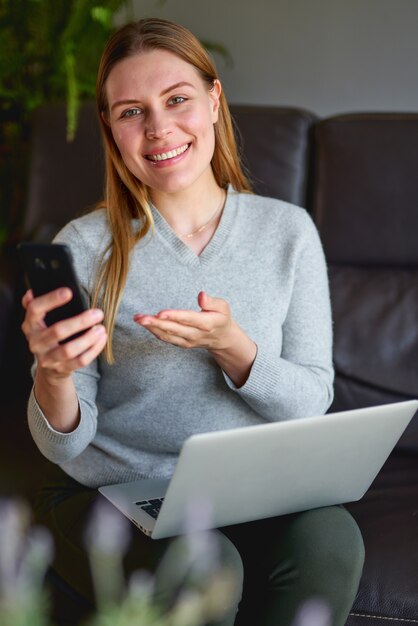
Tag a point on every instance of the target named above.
point(158, 92)
point(210, 310)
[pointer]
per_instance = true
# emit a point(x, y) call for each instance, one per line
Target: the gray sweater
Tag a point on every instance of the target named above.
point(266, 260)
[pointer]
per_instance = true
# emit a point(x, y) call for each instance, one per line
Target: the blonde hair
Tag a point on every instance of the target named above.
point(126, 198)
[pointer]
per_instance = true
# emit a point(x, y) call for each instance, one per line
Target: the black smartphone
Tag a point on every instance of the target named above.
point(49, 266)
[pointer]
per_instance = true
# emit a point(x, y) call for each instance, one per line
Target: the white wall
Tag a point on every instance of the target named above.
point(329, 56)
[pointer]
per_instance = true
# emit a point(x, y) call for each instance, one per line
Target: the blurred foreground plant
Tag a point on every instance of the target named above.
point(25, 553)
point(191, 586)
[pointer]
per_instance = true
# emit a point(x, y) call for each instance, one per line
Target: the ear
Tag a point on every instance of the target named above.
point(215, 94)
point(104, 117)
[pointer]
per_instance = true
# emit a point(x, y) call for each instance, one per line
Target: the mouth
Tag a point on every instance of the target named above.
point(170, 154)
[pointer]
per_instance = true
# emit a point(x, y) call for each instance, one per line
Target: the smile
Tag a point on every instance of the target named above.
point(163, 156)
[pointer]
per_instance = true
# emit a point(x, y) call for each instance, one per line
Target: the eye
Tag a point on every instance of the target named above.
point(132, 112)
point(177, 100)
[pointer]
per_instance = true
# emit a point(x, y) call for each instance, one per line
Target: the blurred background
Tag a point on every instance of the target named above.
point(328, 56)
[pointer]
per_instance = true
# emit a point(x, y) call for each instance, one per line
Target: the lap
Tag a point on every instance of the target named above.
point(326, 528)
point(289, 559)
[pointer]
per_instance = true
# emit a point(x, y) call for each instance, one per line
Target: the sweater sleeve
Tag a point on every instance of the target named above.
point(61, 447)
point(299, 381)
point(56, 446)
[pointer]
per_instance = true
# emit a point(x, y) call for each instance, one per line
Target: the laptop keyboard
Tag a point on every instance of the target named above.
point(152, 507)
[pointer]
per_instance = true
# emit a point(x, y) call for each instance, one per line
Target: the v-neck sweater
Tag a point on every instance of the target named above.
point(266, 260)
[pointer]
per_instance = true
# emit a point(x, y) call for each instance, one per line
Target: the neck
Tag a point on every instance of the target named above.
point(189, 209)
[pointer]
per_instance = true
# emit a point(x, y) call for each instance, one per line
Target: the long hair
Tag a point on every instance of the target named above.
point(126, 198)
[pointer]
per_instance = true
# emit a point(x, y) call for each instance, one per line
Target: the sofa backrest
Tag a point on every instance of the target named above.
point(365, 206)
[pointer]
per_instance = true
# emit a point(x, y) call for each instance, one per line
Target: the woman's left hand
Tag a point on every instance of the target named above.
point(212, 328)
point(209, 328)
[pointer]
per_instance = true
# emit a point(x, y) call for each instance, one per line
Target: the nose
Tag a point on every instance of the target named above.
point(157, 124)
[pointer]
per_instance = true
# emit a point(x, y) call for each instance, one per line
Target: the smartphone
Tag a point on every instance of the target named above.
point(49, 266)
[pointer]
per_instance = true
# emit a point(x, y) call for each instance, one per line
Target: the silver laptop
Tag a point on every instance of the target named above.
point(256, 472)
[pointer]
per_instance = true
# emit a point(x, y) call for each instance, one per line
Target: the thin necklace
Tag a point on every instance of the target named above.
point(206, 224)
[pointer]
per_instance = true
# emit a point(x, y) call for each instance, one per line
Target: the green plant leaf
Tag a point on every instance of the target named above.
point(102, 15)
point(73, 100)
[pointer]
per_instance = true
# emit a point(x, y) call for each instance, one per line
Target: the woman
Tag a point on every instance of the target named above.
point(209, 310)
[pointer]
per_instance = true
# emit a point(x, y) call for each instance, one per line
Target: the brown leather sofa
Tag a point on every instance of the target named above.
point(357, 176)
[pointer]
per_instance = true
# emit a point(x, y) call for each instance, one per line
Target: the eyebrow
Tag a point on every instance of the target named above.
point(163, 93)
point(176, 86)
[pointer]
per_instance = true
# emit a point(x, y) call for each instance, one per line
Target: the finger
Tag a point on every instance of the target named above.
point(27, 298)
point(40, 306)
point(76, 353)
point(60, 331)
point(176, 322)
point(168, 330)
point(193, 319)
point(91, 353)
point(156, 324)
point(209, 303)
point(171, 338)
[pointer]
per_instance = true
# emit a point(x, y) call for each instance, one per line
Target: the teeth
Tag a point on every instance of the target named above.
point(168, 155)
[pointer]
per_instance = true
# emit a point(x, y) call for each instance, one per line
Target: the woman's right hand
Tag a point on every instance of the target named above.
point(54, 387)
point(54, 359)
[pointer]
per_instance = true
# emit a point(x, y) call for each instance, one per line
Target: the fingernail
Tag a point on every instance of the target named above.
point(141, 320)
point(64, 292)
point(99, 330)
point(97, 314)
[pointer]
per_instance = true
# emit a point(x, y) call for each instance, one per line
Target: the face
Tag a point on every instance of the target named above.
point(161, 114)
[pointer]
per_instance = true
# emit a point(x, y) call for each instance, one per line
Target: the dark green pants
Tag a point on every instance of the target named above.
point(281, 563)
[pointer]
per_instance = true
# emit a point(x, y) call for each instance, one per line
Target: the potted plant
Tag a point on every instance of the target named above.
point(49, 51)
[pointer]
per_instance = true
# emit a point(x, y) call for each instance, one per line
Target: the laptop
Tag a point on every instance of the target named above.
point(262, 471)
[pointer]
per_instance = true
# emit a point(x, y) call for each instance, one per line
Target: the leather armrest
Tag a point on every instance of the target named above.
point(15, 358)
point(8, 278)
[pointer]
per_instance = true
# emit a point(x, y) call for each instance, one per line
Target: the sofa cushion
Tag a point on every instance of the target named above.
point(275, 142)
point(366, 188)
point(375, 338)
point(375, 325)
point(388, 519)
